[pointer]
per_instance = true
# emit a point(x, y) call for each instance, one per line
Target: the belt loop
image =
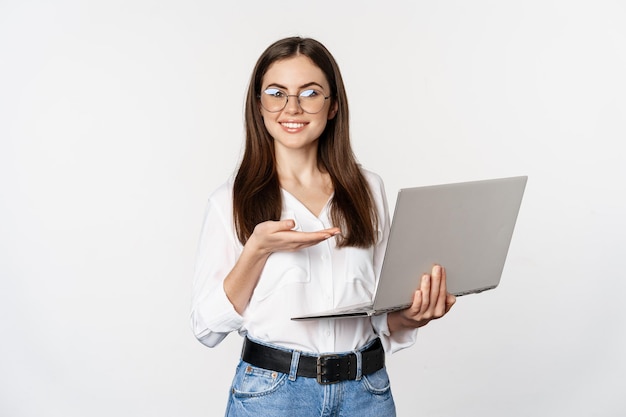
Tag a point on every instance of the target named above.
point(295, 360)
point(359, 365)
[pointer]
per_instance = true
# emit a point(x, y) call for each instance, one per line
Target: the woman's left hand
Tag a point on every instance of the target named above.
point(431, 301)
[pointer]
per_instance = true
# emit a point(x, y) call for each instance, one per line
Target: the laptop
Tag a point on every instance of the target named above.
point(466, 227)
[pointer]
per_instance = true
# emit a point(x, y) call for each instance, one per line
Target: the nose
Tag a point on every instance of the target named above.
point(293, 104)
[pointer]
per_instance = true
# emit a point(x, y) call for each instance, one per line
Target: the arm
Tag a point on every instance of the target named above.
point(226, 273)
point(268, 237)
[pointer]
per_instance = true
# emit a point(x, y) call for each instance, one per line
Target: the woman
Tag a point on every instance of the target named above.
point(302, 227)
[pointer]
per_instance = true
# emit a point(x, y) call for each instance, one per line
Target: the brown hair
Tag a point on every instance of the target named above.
point(257, 195)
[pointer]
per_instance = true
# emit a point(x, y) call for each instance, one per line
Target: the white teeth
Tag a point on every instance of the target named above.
point(293, 125)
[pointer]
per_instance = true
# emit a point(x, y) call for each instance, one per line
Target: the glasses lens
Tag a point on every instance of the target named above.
point(311, 101)
point(273, 100)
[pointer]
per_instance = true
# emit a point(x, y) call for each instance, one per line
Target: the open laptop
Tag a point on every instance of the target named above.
point(465, 227)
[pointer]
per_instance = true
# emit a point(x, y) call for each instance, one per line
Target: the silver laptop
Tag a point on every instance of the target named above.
point(465, 227)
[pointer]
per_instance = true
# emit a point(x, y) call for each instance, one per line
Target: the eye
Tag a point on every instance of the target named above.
point(310, 93)
point(274, 92)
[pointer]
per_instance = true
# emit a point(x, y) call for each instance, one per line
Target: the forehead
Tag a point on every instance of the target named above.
point(294, 72)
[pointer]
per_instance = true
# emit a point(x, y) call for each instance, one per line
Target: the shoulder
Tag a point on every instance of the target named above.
point(221, 198)
point(224, 190)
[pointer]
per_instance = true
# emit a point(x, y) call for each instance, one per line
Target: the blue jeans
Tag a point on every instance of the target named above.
point(258, 392)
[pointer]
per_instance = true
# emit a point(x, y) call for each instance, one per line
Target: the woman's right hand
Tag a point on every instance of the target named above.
point(277, 236)
point(267, 237)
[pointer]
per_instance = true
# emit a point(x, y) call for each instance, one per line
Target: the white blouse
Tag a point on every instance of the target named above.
point(318, 278)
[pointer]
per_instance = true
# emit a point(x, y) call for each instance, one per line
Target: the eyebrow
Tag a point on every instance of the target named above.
point(312, 83)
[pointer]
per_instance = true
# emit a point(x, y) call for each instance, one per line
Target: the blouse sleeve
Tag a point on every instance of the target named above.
point(400, 339)
point(213, 316)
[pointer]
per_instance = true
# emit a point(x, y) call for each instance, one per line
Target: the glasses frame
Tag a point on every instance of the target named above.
point(297, 96)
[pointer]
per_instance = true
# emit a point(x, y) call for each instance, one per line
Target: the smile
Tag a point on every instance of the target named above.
point(292, 125)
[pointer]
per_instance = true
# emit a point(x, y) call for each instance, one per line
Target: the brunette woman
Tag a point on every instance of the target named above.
point(302, 227)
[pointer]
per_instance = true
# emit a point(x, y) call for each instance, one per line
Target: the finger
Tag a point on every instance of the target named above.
point(333, 231)
point(290, 225)
point(425, 290)
point(269, 227)
point(287, 224)
point(435, 286)
point(298, 240)
point(416, 306)
point(444, 280)
point(428, 309)
point(450, 300)
point(316, 236)
point(440, 307)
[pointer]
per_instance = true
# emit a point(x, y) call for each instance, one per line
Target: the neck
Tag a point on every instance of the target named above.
point(299, 165)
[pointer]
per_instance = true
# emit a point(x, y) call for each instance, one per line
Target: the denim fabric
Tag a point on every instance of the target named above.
point(259, 392)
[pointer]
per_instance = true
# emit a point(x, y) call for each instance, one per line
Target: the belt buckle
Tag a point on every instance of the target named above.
point(324, 373)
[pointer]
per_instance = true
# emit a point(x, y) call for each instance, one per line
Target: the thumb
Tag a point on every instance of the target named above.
point(450, 301)
point(287, 224)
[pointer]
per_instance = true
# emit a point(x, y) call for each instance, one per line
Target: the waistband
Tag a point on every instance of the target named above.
point(326, 368)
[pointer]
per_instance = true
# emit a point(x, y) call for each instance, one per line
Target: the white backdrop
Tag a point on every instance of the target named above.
point(117, 118)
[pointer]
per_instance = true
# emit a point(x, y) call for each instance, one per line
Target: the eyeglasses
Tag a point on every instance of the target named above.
point(274, 100)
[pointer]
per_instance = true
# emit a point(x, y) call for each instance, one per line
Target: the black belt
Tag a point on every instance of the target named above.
point(327, 369)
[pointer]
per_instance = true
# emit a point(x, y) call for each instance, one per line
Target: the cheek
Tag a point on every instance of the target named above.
point(270, 126)
point(266, 119)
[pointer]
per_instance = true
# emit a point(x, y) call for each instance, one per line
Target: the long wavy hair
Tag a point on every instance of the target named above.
point(257, 196)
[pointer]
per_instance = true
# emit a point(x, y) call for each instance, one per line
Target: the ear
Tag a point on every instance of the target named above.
point(334, 108)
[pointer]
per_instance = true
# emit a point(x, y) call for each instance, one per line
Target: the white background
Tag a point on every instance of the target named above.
point(117, 118)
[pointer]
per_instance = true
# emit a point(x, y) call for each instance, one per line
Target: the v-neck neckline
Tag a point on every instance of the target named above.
point(300, 203)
